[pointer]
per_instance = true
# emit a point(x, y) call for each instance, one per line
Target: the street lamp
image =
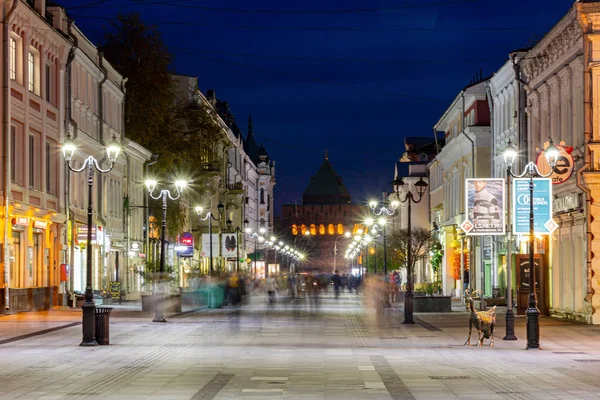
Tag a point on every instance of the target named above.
point(382, 213)
point(89, 308)
point(256, 236)
point(421, 187)
point(346, 235)
point(210, 217)
point(164, 193)
point(533, 313)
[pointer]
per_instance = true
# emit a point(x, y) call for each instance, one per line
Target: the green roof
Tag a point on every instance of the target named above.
point(326, 187)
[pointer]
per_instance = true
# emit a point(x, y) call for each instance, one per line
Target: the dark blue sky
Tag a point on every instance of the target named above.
point(303, 102)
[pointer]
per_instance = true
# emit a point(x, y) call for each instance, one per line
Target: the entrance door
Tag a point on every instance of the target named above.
point(541, 283)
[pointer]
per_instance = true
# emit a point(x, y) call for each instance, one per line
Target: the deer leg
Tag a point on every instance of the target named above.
point(479, 338)
point(492, 333)
point(468, 342)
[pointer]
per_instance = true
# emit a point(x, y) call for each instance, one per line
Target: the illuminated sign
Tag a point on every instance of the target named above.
point(20, 221)
point(40, 224)
point(564, 165)
point(186, 239)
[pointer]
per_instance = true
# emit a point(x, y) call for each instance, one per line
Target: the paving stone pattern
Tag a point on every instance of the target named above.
point(290, 351)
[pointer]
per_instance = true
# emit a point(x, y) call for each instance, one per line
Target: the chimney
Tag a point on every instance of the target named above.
point(40, 7)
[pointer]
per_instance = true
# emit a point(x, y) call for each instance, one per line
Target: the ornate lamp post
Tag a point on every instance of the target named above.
point(88, 307)
point(382, 212)
point(164, 194)
point(210, 217)
point(533, 313)
point(237, 231)
point(421, 186)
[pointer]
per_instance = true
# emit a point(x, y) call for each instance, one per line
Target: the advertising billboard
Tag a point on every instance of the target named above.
point(543, 223)
point(230, 244)
point(485, 206)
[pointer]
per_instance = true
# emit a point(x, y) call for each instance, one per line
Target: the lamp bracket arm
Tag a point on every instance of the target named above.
point(84, 166)
point(173, 197)
point(98, 167)
point(157, 197)
point(208, 214)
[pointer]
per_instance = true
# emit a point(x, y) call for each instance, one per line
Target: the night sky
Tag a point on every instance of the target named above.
point(355, 80)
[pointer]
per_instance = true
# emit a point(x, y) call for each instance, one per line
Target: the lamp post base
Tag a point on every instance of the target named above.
point(89, 324)
point(510, 326)
point(533, 328)
point(408, 308)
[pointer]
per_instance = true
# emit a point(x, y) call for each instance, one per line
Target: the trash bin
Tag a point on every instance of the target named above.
point(102, 315)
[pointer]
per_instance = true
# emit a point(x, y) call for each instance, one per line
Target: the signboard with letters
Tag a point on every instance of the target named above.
point(543, 223)
point(564, 165)
point(186, 245)
point(229, 248)
point(485, 202)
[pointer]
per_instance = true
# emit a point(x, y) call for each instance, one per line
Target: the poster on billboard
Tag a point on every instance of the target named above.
point(485, 200)
point(543, 224)
point(206, 245)
point(229, 248)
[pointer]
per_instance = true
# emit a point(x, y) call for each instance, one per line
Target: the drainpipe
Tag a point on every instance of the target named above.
point(7, 155)
point(127, 218)
point(73, 123)
point(100, 186)
point(490, 100)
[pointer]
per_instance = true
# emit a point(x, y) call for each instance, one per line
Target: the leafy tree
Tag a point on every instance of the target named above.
point(418, 239)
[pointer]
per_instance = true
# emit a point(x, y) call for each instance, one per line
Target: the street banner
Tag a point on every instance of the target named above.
point(485, 202)
point(543, 224)
point(230, 243)
point(206, 245)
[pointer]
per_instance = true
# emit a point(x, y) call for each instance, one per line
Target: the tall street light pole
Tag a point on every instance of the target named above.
point(533, 313)
point(257, 238)
point(210, 217)
point(89, 308)
point(383, 212)
point(346, 235)
point(421, 186)
point(164, 194)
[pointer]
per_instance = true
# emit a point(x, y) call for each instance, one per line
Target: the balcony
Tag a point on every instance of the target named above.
point(235, 188)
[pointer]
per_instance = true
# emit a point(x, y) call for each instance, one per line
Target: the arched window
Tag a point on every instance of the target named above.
point(313, 229)
point(262, 196)
point(340, 229)
point(294, 229)
point(331, 229)
point(303, 229)
point(321, 229)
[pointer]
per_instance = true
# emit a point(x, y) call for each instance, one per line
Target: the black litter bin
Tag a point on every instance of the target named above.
point(102, 315)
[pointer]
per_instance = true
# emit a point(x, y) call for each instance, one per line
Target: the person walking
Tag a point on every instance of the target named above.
point(271, 288)
point(337, 282)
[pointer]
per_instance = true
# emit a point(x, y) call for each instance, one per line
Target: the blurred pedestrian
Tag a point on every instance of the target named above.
point(272, 286)
point(337, 282)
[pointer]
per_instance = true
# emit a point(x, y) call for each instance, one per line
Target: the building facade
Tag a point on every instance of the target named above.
point(318, 225)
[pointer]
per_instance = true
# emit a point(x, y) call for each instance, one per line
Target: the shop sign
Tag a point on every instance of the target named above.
point(229, 248)
point(485, 200)
point(543, 223)
point(20, 221)
point(186, 239)
point(570, 202)
point(185, 247)
point(40, 224)
point(82, 232)
point(564, 165)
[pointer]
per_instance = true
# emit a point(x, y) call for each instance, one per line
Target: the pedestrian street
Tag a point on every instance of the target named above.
point(290, 351)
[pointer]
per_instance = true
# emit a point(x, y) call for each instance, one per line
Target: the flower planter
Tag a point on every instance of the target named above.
point(424, 304)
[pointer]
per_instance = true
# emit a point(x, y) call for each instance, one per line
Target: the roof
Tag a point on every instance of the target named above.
point(326, 187)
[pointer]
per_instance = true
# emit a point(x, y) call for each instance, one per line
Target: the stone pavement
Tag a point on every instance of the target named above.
point(292, 351)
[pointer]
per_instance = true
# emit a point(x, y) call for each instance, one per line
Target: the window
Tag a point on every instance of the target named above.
point(13, 153)
point(262, 196)
point(294, 229)
point(13, 58)
point(313, 229)
point(49, 187)
point(31, 161)
point(303, 229)
point(48, 83)
point(321, 229)
point(330, 229)
point(33, 71)
point(340, 229)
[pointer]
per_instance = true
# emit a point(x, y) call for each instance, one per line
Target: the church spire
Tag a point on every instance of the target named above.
point(326, 156)
point(250, 125)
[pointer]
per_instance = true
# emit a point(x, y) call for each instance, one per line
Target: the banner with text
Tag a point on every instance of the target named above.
point(485, 202)
point(230, 244)
point(543, 223)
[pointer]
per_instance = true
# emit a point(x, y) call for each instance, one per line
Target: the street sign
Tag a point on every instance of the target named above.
point(485, 200)
point(543, 223)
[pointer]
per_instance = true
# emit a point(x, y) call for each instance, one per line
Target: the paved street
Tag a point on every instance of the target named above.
point(287, 352)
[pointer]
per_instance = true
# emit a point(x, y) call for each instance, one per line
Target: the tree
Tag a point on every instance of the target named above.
point(419, 241)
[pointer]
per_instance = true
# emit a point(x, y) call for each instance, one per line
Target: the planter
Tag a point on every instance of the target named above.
point(432, 304)
point(172, 304)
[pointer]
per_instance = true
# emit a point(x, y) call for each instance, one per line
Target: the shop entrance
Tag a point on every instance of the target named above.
point(541, 283)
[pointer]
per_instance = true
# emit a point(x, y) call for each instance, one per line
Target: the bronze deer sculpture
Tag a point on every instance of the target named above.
point(483, 321)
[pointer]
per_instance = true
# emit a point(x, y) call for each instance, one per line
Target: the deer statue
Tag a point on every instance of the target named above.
point(483, 321)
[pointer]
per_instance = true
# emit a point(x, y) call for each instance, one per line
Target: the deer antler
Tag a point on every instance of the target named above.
point(477, 291)
point(468, 292)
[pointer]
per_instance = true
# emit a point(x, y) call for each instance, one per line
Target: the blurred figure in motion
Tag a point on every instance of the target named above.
point(337, 282)
point(271, 286)
point(312, 292)
point(376, 298)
